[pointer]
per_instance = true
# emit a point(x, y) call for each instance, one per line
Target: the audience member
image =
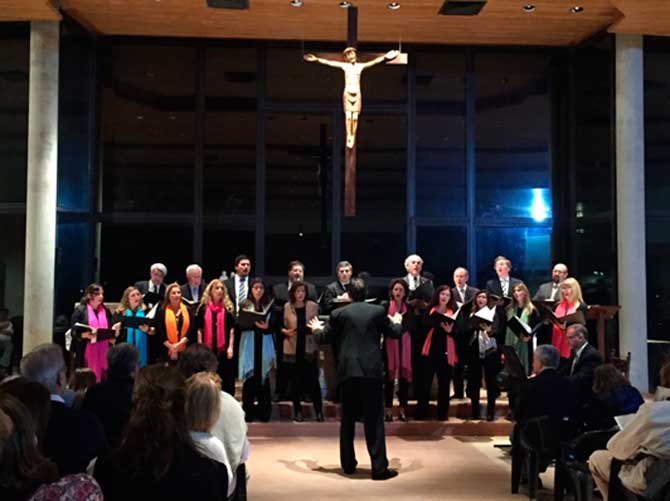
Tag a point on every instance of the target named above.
point(612, 396)
point(157, 458)
point(73, 437)
point(111, 400)
point(584, 359)
point(82, 379)
point(36, 399)
point(202, 413)
point(6, 344)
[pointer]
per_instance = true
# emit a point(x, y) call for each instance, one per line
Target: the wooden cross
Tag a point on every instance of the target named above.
point(352, 96)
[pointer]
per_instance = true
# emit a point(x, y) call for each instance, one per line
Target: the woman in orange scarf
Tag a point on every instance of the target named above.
point(174, 326)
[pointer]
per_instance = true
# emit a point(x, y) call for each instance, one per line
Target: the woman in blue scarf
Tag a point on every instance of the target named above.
point(131, 305)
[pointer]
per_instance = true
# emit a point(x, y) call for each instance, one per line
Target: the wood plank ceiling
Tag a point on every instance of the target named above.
point(501, 22)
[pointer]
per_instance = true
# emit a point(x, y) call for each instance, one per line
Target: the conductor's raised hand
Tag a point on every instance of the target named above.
point(310, 58)
point(315, 324)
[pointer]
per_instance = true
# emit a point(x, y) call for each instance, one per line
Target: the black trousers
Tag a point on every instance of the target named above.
point(255, 389)
point(489, 367)
point(458, 378)
point(403, 392)
point(431, 366)
point(304, 379)
point(366, 396)
point(226, 372)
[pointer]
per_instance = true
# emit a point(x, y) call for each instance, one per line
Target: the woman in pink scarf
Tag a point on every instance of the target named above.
point(215, 324)
point(398, 354)
point(88, 351)
point(571, 302)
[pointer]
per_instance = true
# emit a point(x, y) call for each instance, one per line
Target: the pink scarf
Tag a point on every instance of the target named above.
point(452, 357)
point(398, 368)
point(95, 355)
point(218, 310)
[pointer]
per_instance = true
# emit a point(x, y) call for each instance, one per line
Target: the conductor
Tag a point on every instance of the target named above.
point(356, 329)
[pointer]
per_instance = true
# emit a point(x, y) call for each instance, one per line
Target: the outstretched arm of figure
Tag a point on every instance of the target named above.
point(389, 56)
point(311, 58)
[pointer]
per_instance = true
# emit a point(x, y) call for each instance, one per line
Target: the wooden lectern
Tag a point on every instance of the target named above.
point(600, 313)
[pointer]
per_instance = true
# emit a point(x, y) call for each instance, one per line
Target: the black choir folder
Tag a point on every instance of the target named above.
point(521, 328)
point(548, 315)
point(247, 319)
point(100, 334)
point(423, 291)
point(151, 298)
point(135, 322)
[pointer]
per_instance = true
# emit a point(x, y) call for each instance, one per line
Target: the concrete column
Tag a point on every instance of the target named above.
point(41, 184)
point(631, 241)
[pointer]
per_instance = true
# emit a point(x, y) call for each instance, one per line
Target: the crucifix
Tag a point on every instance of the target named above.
point(352, 98)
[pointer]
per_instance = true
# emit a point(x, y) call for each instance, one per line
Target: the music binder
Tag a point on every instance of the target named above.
point(247, 319)
point(101, 334)
point(521, 328)
point(135, 322)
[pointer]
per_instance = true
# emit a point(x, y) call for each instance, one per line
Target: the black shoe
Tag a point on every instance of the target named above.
point(490, 416)
point(319, 417)
point(443, 418)
point(298, 417)
point(456, 396)
point(403, 417)
point(388, 418)
point(385, 475)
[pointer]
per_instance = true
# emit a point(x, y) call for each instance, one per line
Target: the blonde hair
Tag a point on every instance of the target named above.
point(572, 283)
point(124, 304)
point(528, 307)
point(207, 295)
point(202, 401)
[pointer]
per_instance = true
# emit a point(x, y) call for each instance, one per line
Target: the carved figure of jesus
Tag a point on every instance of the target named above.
point(352, 99)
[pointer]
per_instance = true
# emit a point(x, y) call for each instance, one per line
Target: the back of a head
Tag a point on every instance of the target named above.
point(122, 360)
point(202, 401)
point(157, 424)
point(548, 356)
point(357, 289)
point(197, 358)
point(607, 378)
point(43, 364)
point(665, 375)
point(34, 396)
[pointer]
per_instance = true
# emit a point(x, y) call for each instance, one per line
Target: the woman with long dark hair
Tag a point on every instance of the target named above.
point(157, 458)
point(257, 355)
point(174, 325)
point(216, 330)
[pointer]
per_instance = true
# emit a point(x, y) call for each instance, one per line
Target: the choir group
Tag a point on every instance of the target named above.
point(261, 334)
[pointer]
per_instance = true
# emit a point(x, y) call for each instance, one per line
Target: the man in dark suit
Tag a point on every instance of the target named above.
point(357, 330)
point(111, 400)
point(550, 291)
point(296, 273)
point(504, 284)
point(238, 283)
point(194, 286)
point(462, 293)
point(73, 437)
point(584, 359)
point(155, 284)
point(335, 294)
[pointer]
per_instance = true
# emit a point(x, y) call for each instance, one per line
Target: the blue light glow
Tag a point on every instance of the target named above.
point(539, 210)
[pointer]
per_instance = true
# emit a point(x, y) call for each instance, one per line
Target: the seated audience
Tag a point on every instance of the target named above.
point(612, 396)
point(73, 437)
point(111, 400)
point(82, 379)
point(230, 428)
point(36, 400)
point(202, 412)
point(157, 458)
point(584, 359)
point(642, 441)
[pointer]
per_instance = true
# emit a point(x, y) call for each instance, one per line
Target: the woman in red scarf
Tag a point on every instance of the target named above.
point(88, 351)
point(571, 302)
point(174, 326)
point(398, 354)
point(216, 330)
point(438, 354)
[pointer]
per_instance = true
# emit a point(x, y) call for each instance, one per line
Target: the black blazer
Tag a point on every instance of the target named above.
point(493, 286)
point(470, 293)
point(330, 292)
point(73, 438)
point(143, 287)
point(111, 402)
point(582, 376)
point(80, 315)
point(547, 394)
point(280, 293)
point(544, 292)
point(356, 331)
point(186, 291)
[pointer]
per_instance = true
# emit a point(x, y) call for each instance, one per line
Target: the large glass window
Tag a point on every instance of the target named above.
point(148, 128)
point(298, 191)
point(440, 134)
point(222, 245)
point(442, 249)
point(12, 261)
point(512, 123)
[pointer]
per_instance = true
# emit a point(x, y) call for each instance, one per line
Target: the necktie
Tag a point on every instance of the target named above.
point(242, 290)
point(462, 292)
point(554, 290)
point(505, 286)
point(574, 363)
point(194, 293)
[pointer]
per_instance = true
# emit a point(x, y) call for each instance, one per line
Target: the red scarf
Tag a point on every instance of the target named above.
point(452, 357)
point(559, 338)
point(220, 312)
point(399, 360)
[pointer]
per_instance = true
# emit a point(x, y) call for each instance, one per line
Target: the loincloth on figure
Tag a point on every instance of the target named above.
point(352, 102)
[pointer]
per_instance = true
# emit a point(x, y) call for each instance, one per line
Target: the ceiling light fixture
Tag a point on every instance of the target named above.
point(393, 6)
point(528, 8)
point(576, 9)
point(296, 3)
point(345, 5)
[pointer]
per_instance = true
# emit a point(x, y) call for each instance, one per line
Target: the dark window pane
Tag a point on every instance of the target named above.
point(443, 249)
point(14, 54)
point(289, 77)
point(529, 249)
point(128, 250)
point(374, 240)
point(658, 280)
point(12, 261)
point(221, 246)
point(148, 128)
point(596, 261)
point(230, 131)
point(440, 134)
point(74, 264)
point(298, 216)
point(513, 117)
